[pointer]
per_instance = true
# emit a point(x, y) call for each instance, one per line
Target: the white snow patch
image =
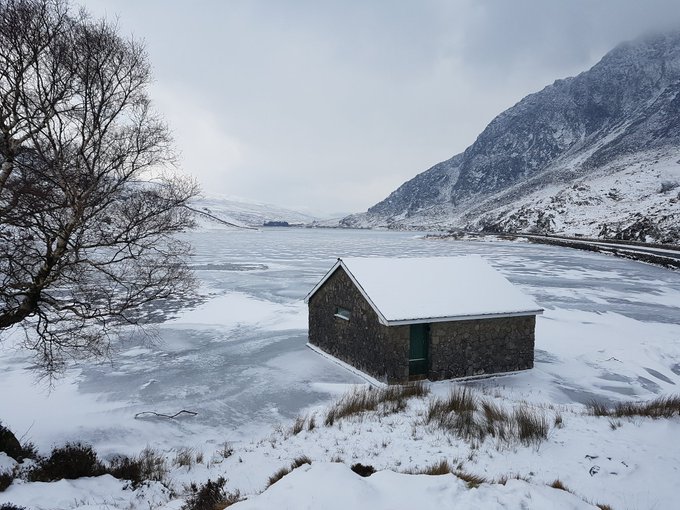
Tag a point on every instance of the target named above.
point(237, 309)
point(371, 380)
point(7, 463)
point(98, 493)
point(335, 487)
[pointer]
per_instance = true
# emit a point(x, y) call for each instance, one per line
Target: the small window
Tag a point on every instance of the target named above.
point(342, 313)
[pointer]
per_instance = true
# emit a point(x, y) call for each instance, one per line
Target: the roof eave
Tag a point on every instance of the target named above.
point(429, 320)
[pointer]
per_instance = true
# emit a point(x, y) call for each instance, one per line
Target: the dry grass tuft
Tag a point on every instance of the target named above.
point(614, 424)
point(532, 427)
point(226, 450)
point(300, 461)
point(440, 468)
point(559, 421)
point(493, 412)
point(297, 462)
point(391, 399)
point(459, 401)
point(597, 408)
point(298, 426)
point(153, 464)
point(278, 475)
point(184, 457)
point(557, 484)
point(473, 419)
point(472, 480)
point(660, 407)
point(456, 413)
point(503, 479)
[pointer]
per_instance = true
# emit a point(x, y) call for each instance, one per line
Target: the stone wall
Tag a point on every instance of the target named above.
point(361, 341)
point(484, 346)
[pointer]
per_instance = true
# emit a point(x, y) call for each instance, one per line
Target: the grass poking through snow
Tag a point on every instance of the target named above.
point(471, 418)
point(297, 462)
point(471, 479)
point(440, 468)
point(184, 457)
point(390, 399)
point(531, 426)
point(557, 484)
point(661, 407)
point(299, 425)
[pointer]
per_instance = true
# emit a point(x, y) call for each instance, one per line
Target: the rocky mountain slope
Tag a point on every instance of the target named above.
point(595, 154)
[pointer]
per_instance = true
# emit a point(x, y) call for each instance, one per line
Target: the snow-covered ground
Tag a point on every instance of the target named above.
point(336, 487)
point(619, 195)
point(611, 332)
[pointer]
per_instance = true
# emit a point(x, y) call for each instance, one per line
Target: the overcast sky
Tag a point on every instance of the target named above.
point(328, 106)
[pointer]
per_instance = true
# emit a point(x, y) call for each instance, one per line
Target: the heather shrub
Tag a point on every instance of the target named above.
point(126, 468)
point(148, 466)
point(73, 460)
point(13, 447)
point(6, 480)
point(9, 443)
point(210, 496)
point(363, 470)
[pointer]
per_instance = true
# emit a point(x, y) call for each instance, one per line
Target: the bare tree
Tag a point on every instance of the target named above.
point(86, 216)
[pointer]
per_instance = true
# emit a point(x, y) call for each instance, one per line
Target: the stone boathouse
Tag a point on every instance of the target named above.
point(399, 319)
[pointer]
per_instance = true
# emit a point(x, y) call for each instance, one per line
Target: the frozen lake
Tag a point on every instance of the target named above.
point(239, 359)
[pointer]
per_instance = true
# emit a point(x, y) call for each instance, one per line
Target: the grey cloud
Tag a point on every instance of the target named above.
point(330, 105)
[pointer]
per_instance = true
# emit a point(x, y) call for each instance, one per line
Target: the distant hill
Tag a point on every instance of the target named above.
point(596, 154)
point(242, 212)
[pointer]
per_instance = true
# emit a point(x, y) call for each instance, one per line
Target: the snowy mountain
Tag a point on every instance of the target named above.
point(596, 154)
point(215, 210)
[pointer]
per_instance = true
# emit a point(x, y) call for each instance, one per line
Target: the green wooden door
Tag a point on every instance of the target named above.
point(417, 357)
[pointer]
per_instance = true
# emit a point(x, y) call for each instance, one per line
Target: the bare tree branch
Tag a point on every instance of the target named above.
point(144, 414)
point(86, 239)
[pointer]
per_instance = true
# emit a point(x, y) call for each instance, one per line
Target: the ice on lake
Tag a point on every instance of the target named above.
point(610, 331)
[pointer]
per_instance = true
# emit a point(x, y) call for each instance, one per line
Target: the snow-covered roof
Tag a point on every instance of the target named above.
point(436, 289)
